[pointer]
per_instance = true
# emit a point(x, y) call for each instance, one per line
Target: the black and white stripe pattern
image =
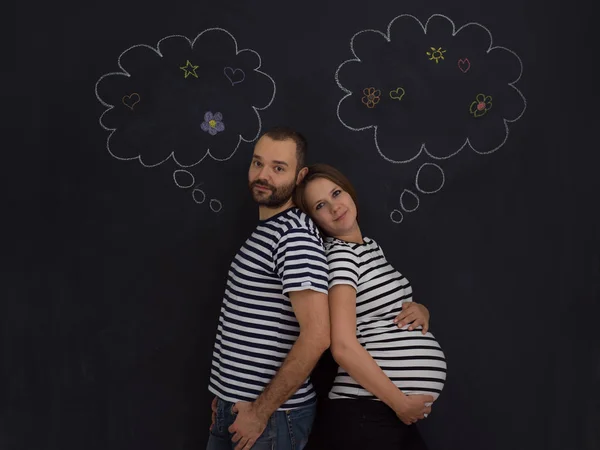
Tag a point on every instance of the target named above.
point(257, 326)
point(413, 361)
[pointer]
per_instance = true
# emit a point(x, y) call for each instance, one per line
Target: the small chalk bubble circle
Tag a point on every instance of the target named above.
point(215, 205)
point(396, 216)
point(429, 178)
point(199, 196)
point(409, 201)
point(183, 179)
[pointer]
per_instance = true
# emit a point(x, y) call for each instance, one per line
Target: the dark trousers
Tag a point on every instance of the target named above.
point(362, 425)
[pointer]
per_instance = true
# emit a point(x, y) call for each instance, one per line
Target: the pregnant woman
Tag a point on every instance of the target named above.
point(391, 369)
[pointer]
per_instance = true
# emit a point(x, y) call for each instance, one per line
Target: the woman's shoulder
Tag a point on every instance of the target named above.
point(337, 245)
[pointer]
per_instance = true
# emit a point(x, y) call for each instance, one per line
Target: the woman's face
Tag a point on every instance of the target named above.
point(330, 207)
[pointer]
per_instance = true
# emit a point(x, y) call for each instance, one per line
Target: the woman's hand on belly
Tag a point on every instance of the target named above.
point(413, 407)
point(414, 314)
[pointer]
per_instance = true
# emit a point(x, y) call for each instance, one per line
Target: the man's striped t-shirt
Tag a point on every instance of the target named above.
point(257, 326)
point(413, 361)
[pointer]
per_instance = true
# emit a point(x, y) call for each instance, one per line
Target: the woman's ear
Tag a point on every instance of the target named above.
point(301, 175)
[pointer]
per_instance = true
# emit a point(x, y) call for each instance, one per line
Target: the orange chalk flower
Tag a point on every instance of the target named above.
point(371, 97)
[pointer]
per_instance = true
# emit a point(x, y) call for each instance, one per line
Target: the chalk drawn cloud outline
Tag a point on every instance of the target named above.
point(157, 50)
point(423, 147)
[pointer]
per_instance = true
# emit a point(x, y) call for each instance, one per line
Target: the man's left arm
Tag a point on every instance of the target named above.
point(312, 312)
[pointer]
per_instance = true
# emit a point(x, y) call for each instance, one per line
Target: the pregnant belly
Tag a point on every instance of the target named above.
point(413, 361)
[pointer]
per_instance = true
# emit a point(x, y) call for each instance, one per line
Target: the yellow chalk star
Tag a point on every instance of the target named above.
point(189, 69)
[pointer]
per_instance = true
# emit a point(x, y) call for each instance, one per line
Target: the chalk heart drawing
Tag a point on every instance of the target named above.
point(393, 148)
point(397, 94)
point(234, 76)
point(464, 65)
point(151, 149)
point(131, 100)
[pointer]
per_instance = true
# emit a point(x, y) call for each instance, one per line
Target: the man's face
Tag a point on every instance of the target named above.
point(273, 171)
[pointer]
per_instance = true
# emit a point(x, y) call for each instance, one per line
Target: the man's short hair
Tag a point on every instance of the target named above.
point(283, 134)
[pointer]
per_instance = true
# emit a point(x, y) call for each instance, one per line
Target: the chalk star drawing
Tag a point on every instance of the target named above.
point(397, 152)
point(189, 69)
point(174, 124)
point(439, 97)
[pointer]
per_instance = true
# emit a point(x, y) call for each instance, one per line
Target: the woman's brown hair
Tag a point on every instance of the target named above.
point(322, 171)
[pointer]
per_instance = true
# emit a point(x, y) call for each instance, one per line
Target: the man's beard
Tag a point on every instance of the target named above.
point(278, 197)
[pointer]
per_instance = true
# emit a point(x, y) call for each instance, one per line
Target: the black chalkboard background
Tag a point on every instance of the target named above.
point(113, 275)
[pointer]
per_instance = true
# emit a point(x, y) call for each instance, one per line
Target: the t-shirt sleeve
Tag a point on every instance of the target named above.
point(343, 267)
point(300, 261)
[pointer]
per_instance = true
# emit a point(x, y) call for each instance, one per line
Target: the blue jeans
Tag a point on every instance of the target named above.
point(286, 430)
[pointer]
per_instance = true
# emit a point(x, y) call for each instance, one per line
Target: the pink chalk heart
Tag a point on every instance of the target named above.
point(131, 100)
point(464, 65)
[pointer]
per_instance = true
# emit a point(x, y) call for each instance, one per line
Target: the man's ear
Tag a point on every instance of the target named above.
point(301, 175)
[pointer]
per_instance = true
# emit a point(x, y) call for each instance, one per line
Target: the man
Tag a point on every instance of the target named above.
point(274, 322)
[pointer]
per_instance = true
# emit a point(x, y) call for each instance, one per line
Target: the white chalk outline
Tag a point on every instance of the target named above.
point(211, 205)
point(157, 51)
point(417, 178)
point(401, 216)
point(414, 195)
point(233, 71)
point(203, 193)
point(423, 148)
point(177, 183)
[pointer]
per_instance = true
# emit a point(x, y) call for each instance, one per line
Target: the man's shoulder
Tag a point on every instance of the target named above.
point(298, 222)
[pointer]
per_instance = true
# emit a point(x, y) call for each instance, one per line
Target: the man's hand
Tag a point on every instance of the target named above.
point(213, 417)
point(415, 314)
point(413, 408)
point(248, 425)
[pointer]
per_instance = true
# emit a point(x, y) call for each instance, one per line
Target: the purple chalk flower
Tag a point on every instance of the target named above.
point(213, 123)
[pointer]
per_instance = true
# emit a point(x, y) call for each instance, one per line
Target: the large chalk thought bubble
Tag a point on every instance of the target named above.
point(184, 100)
point(430, 88)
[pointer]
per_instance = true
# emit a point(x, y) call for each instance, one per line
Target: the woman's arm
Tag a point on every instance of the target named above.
point(359, 364)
